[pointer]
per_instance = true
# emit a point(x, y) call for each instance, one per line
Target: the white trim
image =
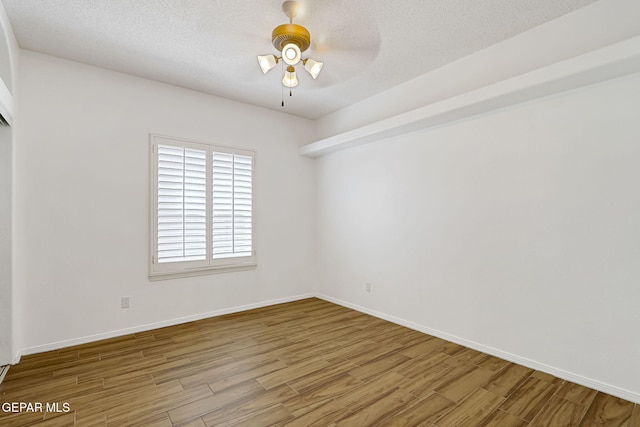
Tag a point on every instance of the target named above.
point(154, 277)
point(560, 373)
point(3, 371)
point(162, 324)
point(610, 62)
point(6, 103)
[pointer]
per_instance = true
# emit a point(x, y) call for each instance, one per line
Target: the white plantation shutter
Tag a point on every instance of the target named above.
point(202, 208)
point(232, 205)
point(243, 205)
point(182, 204)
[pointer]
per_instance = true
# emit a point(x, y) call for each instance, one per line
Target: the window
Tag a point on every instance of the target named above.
point(202, 208)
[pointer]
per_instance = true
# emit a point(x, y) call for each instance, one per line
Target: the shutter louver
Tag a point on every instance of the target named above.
point(232, 207)
point(182, 204)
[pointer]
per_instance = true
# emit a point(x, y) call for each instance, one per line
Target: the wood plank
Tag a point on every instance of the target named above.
point(543, 376)
point(59, 420)
point(423, 384)
point(635, 417)
point(475, 407)
point(314, 397)
point(231, 396)
point(242, 376)
point(317, 379)
point(418, 365)
point(529, 399)
point(370, 392)
point(321, 416)
point(559, 412)
point(376, 411)
point(106, 400)
point(576, 393)
point(491, 363)
point(91, 420)
point(230, 414)
point(274, 415)
point(139, 409)
point(508, 379)
point(228, 368)
point(379, 365)
point(422, 411)
point(607, 410)
point(463, 380)
point(198, 422)
point(292, 372)
point(424, 348)
point(499, 418)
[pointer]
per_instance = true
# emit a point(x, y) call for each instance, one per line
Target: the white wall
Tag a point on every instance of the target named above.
point(8, 66)
point(516, 232)
point(82, 197)
point(6, 206)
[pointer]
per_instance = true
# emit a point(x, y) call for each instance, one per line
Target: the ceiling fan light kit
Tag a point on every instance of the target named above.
point(291, 40)
point(312, 67)
point(290, 79)
point(267, 62)
point(291, 53)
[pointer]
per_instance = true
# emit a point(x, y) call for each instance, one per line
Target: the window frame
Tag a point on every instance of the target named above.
point(170, 270)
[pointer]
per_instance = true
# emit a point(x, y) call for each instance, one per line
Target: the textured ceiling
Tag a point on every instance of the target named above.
point(367, 46)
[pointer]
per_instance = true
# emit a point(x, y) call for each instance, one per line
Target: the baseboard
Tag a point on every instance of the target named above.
point(560, 373)
point(149, 326)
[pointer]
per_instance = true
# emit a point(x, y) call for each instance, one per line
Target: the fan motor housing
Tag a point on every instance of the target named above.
point(291, 33)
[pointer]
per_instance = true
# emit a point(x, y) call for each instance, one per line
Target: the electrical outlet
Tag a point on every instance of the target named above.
point(124, 302)
point(367, 287)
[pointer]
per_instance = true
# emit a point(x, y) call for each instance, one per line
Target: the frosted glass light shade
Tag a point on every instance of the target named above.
point(313, 67)
point(290, 79)
point(291, 54)
point(267, 62)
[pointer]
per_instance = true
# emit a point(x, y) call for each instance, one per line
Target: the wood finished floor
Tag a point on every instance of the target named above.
point(306, 363)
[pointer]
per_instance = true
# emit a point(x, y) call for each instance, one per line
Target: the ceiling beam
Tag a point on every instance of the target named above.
point(603, 64)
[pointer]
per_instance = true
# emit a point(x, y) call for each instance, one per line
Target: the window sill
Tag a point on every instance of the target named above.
point(154, 277)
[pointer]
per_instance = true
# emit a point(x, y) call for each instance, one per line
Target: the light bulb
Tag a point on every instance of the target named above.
point(291, 54)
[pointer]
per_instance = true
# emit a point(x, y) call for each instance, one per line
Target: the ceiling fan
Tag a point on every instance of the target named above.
point(291, 40)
